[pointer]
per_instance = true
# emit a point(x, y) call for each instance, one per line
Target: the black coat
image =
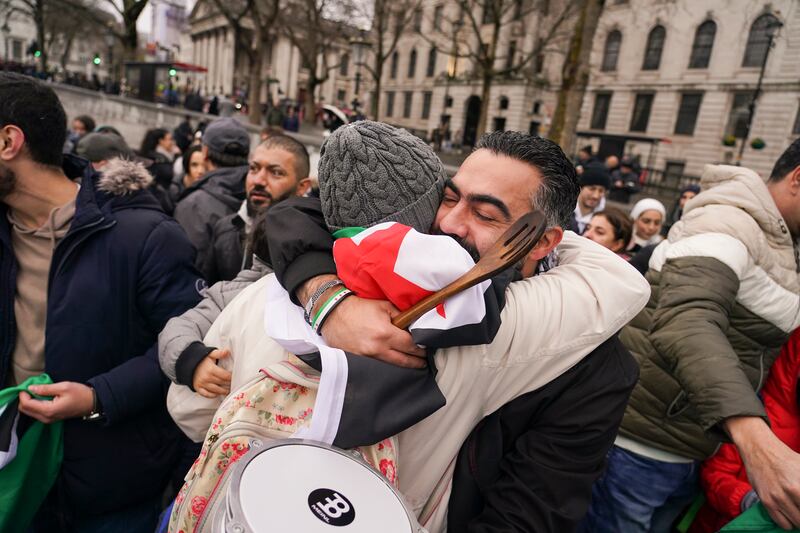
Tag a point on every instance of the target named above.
point(227, 255)
point(123, 269)
point(530, 465)
point(214, 196)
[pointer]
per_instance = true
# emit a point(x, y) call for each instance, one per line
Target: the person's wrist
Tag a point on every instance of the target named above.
point(747, 431)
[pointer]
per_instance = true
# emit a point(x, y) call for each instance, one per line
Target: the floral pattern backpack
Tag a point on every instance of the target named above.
point(273, 405)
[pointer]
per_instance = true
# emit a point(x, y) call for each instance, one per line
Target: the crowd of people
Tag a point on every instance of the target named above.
point(638, 367)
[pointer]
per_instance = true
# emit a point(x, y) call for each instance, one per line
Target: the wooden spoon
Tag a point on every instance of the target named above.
point(512, 246)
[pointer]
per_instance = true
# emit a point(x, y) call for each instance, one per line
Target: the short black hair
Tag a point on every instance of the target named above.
point(34, 108)
point(558, 193)
point(788, 161)
point(302, 166)
point(87, 121)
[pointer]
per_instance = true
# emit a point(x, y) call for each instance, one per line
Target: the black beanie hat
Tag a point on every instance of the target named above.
point(595, 174)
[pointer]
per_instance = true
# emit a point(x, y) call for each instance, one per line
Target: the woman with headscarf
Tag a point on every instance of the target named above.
point(648, 216)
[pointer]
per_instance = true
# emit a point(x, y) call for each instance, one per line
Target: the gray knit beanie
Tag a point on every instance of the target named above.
point(370, 172)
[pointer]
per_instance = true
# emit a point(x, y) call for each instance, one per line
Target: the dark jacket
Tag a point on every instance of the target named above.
point(530, 465)
point(227, 257)
point(123, 269)
point(623, 186)
point(214, 196)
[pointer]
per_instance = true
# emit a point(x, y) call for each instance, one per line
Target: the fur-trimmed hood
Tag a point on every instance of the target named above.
point(121, 176)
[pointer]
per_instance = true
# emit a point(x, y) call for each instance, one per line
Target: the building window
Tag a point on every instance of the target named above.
point(512, 51)
point(758, 41)
point(538, 67)
point(448, 101)
point(341, 96)
point(438, 14)
point(687, 113)
point(412, 64)
point(611, 51)
point(533, 128)
point(740, 112)
point(673, 172)
point(703, 43)
point(417, 24)
point(393, 66)
point(429, 72)
point(518, 9)
point(344, 64)
point(641, 112)
point(499, 124)
point(655, 45)
point(426, 104)
point(503, 102)
point(16, 50)
point(537, 107)
point(488, 16)
point(408, 97)
point(602, 103)
point(389, 103)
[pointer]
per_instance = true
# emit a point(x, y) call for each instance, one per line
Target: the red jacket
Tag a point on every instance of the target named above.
point(723, 476)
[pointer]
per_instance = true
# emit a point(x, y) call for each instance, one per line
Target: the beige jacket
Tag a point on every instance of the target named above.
point(549, 323)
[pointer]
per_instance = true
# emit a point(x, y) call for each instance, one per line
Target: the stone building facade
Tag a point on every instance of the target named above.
point(212, 45)
point(443, 87)
point(684, 75)
point(693, 88)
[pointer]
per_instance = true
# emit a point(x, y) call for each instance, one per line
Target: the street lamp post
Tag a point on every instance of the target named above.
point(358, 49)
point(771, 31)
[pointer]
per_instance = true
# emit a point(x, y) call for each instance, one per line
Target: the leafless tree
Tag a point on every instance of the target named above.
point(315, 27)
point(253, 24)
point(390, 21)
point(575, 75)
point(123, 31)
point(482, 26)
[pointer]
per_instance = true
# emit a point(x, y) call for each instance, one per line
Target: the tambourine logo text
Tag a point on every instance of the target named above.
point(331, 507)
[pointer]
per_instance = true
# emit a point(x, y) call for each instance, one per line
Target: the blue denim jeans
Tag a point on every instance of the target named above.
point(637, 494)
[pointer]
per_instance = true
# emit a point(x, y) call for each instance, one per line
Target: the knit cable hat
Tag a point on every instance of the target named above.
point(370, 172)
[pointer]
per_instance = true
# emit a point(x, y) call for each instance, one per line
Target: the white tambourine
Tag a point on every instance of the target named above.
point(304, 486)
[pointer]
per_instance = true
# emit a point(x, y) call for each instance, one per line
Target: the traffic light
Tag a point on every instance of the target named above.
point(97, 59)
point(33, 49)
point(173, 72)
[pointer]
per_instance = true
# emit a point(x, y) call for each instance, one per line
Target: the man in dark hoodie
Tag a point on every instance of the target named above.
point(90, 271)
point(226, 145)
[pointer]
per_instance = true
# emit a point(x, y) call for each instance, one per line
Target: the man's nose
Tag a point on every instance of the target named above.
point(454, 223)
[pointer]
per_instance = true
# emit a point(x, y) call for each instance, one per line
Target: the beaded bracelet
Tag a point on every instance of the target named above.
point(328, 308)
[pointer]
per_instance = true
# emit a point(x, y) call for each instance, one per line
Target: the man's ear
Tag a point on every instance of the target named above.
point(551, 238)
point(303, 186)
point(12, 139)
point(794, 181)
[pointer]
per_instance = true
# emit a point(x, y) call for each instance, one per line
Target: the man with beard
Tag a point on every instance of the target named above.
point(91, 269)
point(278, 170)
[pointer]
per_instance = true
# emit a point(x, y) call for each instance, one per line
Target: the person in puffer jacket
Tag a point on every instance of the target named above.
point(725, 297)
point(724, 476)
